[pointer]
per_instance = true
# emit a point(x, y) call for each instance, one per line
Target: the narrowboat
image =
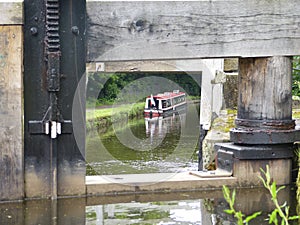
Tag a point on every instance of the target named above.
point(162, 104)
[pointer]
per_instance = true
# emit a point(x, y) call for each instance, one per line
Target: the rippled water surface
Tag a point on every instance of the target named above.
point(193, 208)
point(146, 145)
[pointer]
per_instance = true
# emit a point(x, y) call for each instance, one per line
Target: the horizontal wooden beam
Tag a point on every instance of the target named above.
point(11, 12)
point(159, 30)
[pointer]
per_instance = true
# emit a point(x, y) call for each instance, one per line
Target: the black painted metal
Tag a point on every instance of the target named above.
point(249, 131)
point(265, 124)
point(71, 161)
point(257, 152)
point(263, 136)
point(225, 160)
point(54, 62)
point(36, 147)
point(200, 158)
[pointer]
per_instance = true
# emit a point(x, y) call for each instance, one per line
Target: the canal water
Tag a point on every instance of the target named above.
point(187, 208)
point(160, 145)
point(146, 145)
point(141, 145)
point(200, 208)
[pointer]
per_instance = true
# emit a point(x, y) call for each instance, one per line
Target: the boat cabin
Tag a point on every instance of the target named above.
point(159, 104)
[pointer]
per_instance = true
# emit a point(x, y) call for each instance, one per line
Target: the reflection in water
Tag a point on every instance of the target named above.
point(158, 127)
point(203, 208)
point(146, 145)
point(170, 212)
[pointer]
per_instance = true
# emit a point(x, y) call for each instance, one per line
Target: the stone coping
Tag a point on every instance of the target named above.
point(153, 183)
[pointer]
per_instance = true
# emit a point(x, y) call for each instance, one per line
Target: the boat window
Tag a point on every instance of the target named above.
point(150, 103)
point(179, 99)
point(166, 103)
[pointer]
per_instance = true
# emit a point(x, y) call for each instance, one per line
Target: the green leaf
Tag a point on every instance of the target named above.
point(294, 217)
point(229, 211)
point(283, 205)
point(263, 181)
point(233, 196)
point(273, 217)
point(287, 209)
point(239, 215)
point(226, 193)
point(273, 190)
point(280, 188)
point(251, 217)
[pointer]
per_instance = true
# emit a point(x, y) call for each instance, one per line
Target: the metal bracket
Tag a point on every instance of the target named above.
point(225, 160)
point(53, 72)
point(50, 127)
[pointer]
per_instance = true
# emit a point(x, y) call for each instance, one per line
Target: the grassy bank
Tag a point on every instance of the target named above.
point(105, 116)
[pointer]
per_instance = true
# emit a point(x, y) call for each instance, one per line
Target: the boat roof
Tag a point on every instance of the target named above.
point(168, 95)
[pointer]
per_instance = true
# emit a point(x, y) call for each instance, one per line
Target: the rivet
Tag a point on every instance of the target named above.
point(75, 30)
point(33, 31)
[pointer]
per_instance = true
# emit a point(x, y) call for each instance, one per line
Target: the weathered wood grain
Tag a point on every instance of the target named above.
point(11, 140)
point(143, 30)
point(265, 86)
point(11, 12)
point(248, 171)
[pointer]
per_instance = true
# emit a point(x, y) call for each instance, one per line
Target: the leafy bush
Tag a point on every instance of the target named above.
point(296, 77)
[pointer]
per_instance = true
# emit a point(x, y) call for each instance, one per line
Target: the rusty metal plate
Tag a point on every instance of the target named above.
point(265, 124)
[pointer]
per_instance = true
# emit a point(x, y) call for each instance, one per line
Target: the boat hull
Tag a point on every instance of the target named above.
point(150, 113)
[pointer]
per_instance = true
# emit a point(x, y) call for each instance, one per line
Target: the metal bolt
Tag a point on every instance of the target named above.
point(75, 30)
point(33, 31)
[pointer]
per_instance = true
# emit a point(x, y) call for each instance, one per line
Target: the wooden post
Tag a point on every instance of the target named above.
point(265, 101)
point(270, 77)
point(11, 141)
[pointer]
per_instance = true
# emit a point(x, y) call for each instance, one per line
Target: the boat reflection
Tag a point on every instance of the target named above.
point(158, 127)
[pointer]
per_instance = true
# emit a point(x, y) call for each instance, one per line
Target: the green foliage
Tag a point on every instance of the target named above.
point(90, 171)
point(296, 77)
point(230, 199)
point(106, 87)
point(280, 210)
point(280, 215)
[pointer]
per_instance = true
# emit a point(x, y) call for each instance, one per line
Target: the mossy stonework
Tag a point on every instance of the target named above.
point(219, 133)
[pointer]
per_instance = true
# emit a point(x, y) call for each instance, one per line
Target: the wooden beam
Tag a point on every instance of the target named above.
point(11, 146)
point(11, 12)
point(146, 30)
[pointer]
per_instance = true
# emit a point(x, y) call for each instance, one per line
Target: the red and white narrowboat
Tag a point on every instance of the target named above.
point(161, 104)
